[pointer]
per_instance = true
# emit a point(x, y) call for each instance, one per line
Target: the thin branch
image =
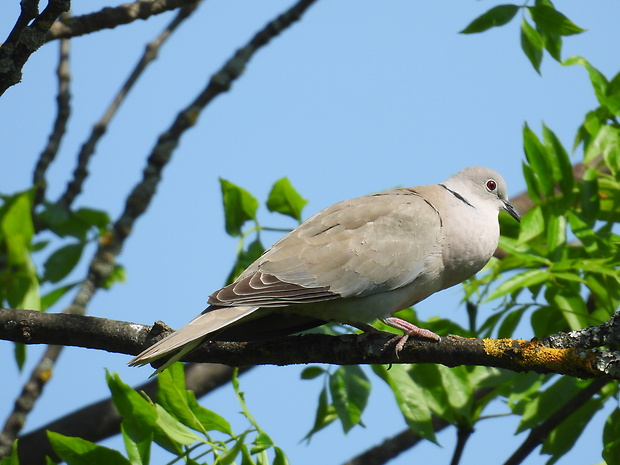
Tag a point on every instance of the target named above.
point(31, 327)
point(394, 446)
point(110, 17)
point(401, 442)
point(538, 434)
point(63, 100)
point(74, 188)
point(29, 11)
point(463, 434)
point(25, 39)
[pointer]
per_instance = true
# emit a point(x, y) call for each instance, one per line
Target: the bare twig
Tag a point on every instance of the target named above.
point(109, 18)
point(25, 39)
point(62, 116)
point(74, 188)
point(538, 434)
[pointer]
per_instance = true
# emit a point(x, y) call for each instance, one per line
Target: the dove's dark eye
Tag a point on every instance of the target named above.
point(491, 185)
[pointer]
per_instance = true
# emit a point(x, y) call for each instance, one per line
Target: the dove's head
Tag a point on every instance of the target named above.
point(483, 187)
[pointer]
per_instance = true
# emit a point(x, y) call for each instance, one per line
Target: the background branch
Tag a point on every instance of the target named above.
point(110, 17)
point(63, 100)
point(539, 433)
point(74, 188)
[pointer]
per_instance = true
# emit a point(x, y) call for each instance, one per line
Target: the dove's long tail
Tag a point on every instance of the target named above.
point(191, 335)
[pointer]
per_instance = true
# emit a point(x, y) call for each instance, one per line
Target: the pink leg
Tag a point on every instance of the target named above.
point(410, 330)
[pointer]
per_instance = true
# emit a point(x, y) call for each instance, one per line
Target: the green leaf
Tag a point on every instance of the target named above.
point(573, 308)
point(508, 325)
point(171, 395)
point(534, 189)
point(325, 414)
point(605, 143)
point(52, 297)
point(118, 275)
point(245, 258)
point(239, 207)
point(174, 429)
point(552, 21)
point(78, 451)
point(611, 438)
point(20, 355)
point(613, 95)
point(280, 457)
point(92, 217)
point(496, 16)
point(556, 235)
point(17, 228)
point(553, 44)
point(62, 262)
point(533, 224)
point(64, 222)
point(284, 199)
point(139, 415)
point(599, 81)
point(312, 372)
point(349, 388)
point(545, 402)
point(13, 459)
point(560, 164)
point(564, 436)
point(590, 200)
point(410, 398)
point(519, 282)
point(138, 448)
point(539, 160)
point(448, 391)
point(532, 44)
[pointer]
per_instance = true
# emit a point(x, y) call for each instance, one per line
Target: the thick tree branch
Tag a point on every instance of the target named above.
point(518, 355)
point(27, 36)
point(110, 17)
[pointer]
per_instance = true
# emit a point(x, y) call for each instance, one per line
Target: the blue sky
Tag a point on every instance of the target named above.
point(356, 97)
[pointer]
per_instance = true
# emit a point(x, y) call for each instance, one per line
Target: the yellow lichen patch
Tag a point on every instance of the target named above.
point(45, 375)
point(499, 347)
point(107, 238)
point(533, 355)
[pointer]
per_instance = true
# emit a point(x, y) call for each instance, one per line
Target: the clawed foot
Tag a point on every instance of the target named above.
point(410, 330)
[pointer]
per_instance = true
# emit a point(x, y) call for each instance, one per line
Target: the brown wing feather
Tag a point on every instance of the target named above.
point(354, 248)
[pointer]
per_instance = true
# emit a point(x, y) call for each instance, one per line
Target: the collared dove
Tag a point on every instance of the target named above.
point(354, 262)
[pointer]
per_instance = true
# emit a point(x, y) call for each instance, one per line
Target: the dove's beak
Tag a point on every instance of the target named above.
point(508, 208)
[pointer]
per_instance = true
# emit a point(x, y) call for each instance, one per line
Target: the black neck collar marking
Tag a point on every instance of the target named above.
point(457, 195)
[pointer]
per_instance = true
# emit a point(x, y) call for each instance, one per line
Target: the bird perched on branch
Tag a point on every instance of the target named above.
point(354, 262)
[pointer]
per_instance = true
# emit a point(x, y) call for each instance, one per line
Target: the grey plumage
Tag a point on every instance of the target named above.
point(356, 261)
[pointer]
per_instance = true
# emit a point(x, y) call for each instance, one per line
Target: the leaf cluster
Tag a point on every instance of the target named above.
point(176, 422)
